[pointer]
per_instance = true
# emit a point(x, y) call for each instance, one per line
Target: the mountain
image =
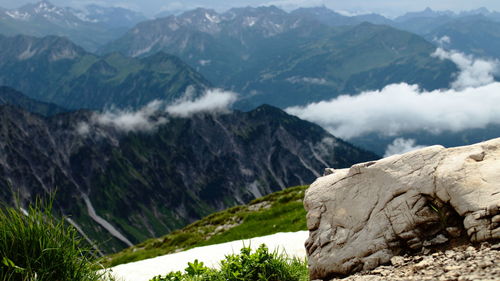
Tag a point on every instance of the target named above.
point(89, 28)
point(473, 32)
point(112, 17)
point(284, 59)
point(9, 96)
point(53, 69)
point(332, 18)
point(477, 35)
point(121, 187)
point(426, 13)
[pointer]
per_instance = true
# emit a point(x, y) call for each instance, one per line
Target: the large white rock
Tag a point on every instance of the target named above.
point(359, 218)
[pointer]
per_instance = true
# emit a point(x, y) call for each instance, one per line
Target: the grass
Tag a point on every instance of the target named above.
point(261, 265)
point(36, 246)
point(278, 212)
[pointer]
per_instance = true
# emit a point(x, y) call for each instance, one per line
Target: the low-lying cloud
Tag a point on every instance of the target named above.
point(307, 80)
point(214, 100)
point(150, 116)
point(472, 102)
point(140, 120)
point(473, 72)
point(401, 145)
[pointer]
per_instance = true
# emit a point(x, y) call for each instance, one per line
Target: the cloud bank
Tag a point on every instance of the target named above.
point(150, 117)
point(472, 102)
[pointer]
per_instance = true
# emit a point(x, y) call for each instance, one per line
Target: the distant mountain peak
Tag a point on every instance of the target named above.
point(41, 7)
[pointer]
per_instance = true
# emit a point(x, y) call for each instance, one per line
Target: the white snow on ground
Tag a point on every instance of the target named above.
point(292, 243)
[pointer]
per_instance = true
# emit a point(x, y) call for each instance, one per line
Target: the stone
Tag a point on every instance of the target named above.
point(363, 216)
point(397, 260)
point(440, 239)
point(454, 232)
point(328, 171)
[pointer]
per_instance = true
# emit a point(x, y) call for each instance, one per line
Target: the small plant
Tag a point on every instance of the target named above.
point(261, 265)
point(196, 268)
point(36, 246)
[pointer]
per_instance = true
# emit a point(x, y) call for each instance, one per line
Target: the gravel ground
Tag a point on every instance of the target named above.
point(460, 263)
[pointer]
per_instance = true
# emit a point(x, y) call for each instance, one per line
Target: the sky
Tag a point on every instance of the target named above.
point(386, 7)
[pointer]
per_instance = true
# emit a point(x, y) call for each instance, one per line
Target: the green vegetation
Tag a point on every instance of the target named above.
point(278, 212)
point(258, 266)
point(36, 246)
point(83, 80)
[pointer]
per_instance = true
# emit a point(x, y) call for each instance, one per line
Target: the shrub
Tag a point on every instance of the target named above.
point(246, 266)
point(36, 246)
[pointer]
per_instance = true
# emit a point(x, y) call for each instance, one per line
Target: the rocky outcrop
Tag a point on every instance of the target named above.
point(361, 217)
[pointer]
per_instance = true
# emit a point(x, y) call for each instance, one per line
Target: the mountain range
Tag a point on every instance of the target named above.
point(53, 69)
point(472, 32)
point(121, 187)
point(284, 59)
point(90, 27)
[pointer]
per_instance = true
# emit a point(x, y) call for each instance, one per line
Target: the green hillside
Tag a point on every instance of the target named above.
point(281, 211)
point(53, 69)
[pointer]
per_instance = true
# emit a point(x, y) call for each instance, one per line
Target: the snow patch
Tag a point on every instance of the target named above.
point(28, 53)
point(104, 223)
point(18, 15)
point(147, 49)
point(212, 18)
point(291, 243)
point(204, 62)
point(250, 21)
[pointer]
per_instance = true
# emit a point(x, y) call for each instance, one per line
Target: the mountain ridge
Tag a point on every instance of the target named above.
point(53, 69)
point(90, 27)
point(284, 59)
point(124, 187)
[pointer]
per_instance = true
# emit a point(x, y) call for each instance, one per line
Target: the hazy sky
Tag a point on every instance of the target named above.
point(387, 7)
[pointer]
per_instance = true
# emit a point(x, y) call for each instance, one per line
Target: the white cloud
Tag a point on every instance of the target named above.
point(214, 100)
point(401, 108)
point(473, 102)
point(125, 120)
point(445, 40)
point(473, 72)
point(400, 146)
point(307, 80)
point(151, 116)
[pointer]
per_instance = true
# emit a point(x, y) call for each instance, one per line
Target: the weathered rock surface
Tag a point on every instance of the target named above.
point(361, 217)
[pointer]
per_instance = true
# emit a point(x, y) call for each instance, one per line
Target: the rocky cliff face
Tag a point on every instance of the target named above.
point(361, 217)
point(120, 187)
